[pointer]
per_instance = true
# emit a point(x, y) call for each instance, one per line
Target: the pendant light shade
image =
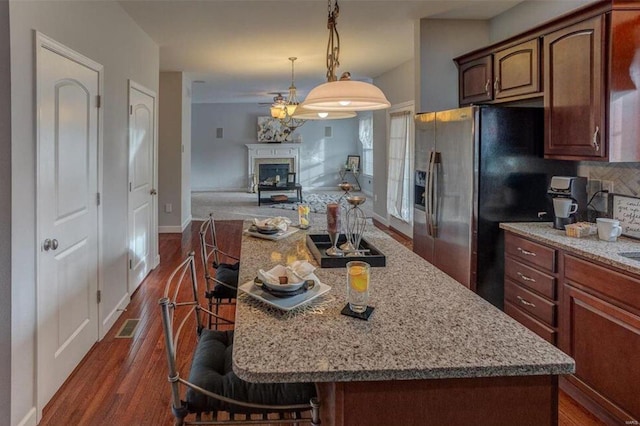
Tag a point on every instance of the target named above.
point(306, 114)
point(346, 95)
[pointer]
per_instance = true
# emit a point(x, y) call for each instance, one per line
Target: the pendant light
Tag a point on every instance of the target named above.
point(343, 94)
point(283, 110)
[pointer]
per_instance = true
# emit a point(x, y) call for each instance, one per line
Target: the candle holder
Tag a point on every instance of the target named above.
point(333, 229)
point(356, 222)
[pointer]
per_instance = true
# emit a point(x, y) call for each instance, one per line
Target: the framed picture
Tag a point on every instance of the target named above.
point(291, 178)
point(270, 130)
point(353, 162)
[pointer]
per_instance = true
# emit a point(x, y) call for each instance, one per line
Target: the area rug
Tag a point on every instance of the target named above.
point(317, 202)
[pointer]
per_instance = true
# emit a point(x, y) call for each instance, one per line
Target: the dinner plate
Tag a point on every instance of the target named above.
point(274, 237)
point(289, 303)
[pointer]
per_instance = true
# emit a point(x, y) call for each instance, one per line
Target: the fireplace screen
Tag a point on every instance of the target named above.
point(272, 173)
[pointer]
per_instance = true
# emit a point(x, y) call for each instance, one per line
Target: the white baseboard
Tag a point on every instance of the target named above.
point(213, 189)
point(29, 419)
point(169, 230)
point(113, 316)
point(157, 262)
point(382, 220)
point(186, 223)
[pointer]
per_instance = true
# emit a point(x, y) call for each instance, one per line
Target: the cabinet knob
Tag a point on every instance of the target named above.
point(594, 141)
point(525, 302)
point(526, 252)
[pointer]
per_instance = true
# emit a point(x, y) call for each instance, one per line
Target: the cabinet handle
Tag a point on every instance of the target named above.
point(496, 85)
point(525, 252)
point(594, 142)
point(525, 278)
point(487, 85)
point(525, 303)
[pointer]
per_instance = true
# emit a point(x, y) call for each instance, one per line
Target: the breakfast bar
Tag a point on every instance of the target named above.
point(432, 352)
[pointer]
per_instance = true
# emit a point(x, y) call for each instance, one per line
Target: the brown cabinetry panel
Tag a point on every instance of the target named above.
point(517, 70)
point(475, 81)
point(542, 330)
point(574, 73)
point(530, 278)
point(605, 342)
point(544, 310)
point(530, 252)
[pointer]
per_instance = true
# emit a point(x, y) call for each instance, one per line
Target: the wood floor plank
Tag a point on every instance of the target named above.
point(124, 381)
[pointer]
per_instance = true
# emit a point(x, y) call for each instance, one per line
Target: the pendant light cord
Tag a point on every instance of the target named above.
point(333, 46)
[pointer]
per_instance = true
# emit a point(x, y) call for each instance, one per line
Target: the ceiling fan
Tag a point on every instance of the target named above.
point(278, 99)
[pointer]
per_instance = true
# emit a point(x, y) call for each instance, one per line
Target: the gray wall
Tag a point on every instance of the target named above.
point(221, 164)
point(103, 32)
point(174, 151)
point(5, 214)
point(398, 87)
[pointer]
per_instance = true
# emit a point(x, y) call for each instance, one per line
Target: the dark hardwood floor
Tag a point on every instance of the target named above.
point(124, 381)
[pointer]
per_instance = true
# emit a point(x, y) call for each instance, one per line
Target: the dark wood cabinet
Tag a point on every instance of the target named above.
point(517, 70)
point(573, 91)
point(601, 331)
point(475, 79)
point(591, 311)
point(530, 285)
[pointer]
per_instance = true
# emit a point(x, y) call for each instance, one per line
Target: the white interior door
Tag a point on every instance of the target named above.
point(68, 86)
point(142, 113)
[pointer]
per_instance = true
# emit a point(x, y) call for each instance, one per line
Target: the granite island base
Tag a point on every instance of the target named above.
point(433, 352)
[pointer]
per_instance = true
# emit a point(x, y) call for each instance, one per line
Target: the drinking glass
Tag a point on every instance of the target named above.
point(303, 216)
point(358, 277)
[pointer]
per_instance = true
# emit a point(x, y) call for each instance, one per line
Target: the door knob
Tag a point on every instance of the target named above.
point(153, 192)
point(50, 244)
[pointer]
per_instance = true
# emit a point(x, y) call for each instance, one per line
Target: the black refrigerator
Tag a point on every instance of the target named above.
point(474, 168)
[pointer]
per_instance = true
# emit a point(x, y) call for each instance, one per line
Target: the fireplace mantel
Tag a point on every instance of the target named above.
point(262, 151)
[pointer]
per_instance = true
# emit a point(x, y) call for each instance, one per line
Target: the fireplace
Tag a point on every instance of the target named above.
point(280, 159)
point(273, 173)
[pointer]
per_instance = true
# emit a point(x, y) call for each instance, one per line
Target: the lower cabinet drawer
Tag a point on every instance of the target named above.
point(531, 323)
point(530, 278)
point(544, 310)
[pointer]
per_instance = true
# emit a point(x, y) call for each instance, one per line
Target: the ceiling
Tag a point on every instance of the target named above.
point(239, 48)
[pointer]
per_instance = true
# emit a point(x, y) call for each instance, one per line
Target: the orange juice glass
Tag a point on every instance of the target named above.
point(358, 278)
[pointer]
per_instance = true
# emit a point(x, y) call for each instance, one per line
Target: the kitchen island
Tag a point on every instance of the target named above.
point(432, 352)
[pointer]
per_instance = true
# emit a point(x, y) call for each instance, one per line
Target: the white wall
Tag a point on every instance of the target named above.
point(103, 32)
point(398, 86)
point(529, 14)
point(5, 214)
point(221, 164)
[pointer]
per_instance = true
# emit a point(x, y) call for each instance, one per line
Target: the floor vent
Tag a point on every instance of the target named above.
point(128, 329)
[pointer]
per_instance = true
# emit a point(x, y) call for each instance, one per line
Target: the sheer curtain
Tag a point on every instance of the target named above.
point(398, 174)
point(365, 134)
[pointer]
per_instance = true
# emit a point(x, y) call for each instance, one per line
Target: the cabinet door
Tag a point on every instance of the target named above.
point(475, 81)
point(574, 60)
point(604, 340)
point(517, 70)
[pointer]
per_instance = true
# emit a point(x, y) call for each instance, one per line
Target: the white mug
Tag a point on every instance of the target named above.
point(563, 207)
point(608, 229)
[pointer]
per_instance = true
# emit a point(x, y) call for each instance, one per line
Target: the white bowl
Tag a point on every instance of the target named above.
point(280, 271)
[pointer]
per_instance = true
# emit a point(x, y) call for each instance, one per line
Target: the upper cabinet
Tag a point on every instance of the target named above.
point(517, 71)
point(504, 75)
point(573, 91)
point(586, 67)
point(476, 80)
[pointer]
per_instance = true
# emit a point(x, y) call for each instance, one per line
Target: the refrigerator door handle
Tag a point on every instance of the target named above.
point(435, 183)
point(429, 203)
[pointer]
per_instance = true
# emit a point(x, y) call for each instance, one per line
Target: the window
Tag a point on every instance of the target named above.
point(399, 172)
point(365, 134)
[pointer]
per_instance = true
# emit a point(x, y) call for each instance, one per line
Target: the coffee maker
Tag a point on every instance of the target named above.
point(573, 189)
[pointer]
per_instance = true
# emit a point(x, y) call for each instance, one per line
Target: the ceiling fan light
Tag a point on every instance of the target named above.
point(346, 95)
point(276, 111)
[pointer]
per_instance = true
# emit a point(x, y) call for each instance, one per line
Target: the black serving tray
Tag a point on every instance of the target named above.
point(319, 243)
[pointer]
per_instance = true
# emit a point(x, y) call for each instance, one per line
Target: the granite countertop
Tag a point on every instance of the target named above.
point(589, 247)
point(425, 325)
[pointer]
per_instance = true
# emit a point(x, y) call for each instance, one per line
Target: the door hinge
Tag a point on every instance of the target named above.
point(130, 263)
point(130, 186)
point(99, 296)
point(98, 198)
point(130, 109)
point(98, 101)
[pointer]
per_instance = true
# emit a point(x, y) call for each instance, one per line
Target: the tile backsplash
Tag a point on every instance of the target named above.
point(625, 178)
